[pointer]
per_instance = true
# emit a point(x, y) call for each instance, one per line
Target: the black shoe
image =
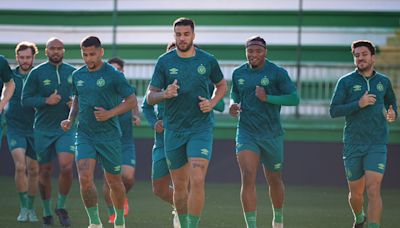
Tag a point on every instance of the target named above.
point(360, 225)
point(63, 217)
point(48, 221)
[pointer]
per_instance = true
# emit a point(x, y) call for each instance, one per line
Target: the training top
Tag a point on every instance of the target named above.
point(19, 118)
point(42, 81)
point(259, 119)
point(194, 74)
point(152, 117)
point(102, 88)
point(366, 125)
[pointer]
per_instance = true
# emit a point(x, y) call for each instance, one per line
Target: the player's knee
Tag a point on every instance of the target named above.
point(275, 180)
point(128, 181)
point(33, 172)
point(197, 181)
point(159, 191)
point(373, 191)
point(65, 168)
point(20, 168)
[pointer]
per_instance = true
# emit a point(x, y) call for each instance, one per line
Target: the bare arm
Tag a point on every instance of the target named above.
point(7, 93)
point(73, 112)
point(102, 115)
point(155, 95)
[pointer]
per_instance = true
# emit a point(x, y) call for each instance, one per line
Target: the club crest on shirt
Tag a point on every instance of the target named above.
point(241, 81)
point(357, 88)
point(46, 82)
point(201, 69)
point(173, 71)
point(264, 81)
point(380, 87)
point(100, 82)
point(69, 79)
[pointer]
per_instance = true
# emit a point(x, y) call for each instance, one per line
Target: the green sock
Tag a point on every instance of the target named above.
point(110, 209)
point(251, 219)
point(23, 199)
point(373, 225)
point(93, 213)
point(359, 218)
point(278, 215)
point(183, 220)
point(31, 200)
point(193, 221)
point(61, 201)
point(47, 207)
point(119, 217)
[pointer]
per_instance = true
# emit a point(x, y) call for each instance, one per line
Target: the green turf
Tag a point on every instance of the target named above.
point(306, 207)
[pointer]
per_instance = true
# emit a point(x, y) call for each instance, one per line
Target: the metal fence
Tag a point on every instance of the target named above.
point(317, 82)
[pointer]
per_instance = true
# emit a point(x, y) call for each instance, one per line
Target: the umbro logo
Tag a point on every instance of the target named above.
point(173, 71)
point(80, 83)
point(47, 82)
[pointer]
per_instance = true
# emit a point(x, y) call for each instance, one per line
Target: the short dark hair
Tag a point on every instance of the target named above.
point(256, 40)
point(363, 43)
point(91, 41)
point(183, 21)
point(117, 61)
point(21, 46)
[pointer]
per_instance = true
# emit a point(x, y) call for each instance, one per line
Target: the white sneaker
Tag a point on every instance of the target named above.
point(175, 220)
point(95, 226)
point(120, 226)
point(32, 216)
point(277, 225)
point(23, 215)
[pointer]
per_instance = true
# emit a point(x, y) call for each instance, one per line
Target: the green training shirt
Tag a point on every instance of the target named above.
point(194, 75)
point(41, 82)
point(366, 125)
point(260, 119)
point(102, 88)
point(19, 118)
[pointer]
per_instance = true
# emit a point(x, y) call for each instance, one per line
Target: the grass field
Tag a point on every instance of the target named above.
point(306, 207)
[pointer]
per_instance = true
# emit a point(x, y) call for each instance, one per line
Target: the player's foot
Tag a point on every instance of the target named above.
point(48, 221)
point(277, 225)
point(119, 226)
point(360, 225)
point(32, 217)
point(175, 220)
point(63, 217)
point(95, 226)
point(23, 215)
point(126, 207)
point(111, 219)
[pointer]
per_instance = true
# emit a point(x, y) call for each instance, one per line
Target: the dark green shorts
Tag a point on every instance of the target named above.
point(159, 169)
point(179, 146)
point(19, 140)
point(270, 150)
point(359, 158)
point(48, 145)
point(108, 152)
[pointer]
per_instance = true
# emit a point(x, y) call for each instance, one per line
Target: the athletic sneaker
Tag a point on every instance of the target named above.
point(360, 225)
point(32, 217)
point(23, 215)
point(95, 226)
point(63, 217)
point(277, 225)
point(175, 220)
point(126, 207)
point(111, 219)
point(48, 221)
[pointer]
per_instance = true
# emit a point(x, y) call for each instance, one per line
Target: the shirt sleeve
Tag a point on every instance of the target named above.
point(149, 113)
point(122, 86)
point(6, 73)
point(338, 107)
point(390, 98)
point(30, 92)
point(216, 73)
point(158, 79)
point(234, 90)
